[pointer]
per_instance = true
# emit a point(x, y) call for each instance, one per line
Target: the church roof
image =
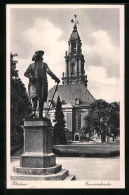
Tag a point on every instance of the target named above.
point(70, 93)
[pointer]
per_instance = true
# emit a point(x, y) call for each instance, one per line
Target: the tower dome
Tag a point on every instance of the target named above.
point(75, 35)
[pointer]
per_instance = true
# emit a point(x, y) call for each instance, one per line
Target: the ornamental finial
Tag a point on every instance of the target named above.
point(75, 21)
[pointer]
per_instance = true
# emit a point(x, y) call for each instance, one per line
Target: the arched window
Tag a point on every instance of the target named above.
point(72, 68)
point(73, 47)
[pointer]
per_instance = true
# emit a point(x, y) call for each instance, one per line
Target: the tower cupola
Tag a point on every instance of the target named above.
point(74, 59)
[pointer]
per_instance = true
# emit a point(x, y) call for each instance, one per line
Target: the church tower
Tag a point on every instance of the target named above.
point(74, 60)
point(74, 94)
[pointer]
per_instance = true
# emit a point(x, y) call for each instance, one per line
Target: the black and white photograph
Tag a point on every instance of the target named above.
point(65, 96)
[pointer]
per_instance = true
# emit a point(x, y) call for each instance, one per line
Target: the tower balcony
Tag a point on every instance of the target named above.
point(75, 74)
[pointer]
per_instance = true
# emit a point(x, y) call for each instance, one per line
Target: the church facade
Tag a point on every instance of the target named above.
point(73, 92)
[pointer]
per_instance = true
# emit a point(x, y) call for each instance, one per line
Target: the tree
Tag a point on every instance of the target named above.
point(59, 133)
point(103, 118)
point(20, 105)
point(114, 119)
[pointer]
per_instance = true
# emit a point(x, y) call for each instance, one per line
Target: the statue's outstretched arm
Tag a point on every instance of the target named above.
point(52, 74)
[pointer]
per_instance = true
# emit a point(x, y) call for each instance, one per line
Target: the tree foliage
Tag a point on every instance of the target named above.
point(59, 133)
point(113, 121)
point(103, 119)
point(20, 105)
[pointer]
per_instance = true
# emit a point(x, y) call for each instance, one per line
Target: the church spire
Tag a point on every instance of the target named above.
point(74, 59)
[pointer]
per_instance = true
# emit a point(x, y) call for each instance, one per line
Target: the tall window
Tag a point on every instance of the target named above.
point(72, 68)
point(73, 47)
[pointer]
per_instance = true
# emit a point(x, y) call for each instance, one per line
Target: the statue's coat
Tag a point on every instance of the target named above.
point(39, 86)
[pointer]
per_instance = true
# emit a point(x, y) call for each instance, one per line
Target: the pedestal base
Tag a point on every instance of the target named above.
point(37, 171)
point(38, 162)
point(61, 175)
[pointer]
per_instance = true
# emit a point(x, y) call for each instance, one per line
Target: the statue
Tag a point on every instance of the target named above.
point(38, 84)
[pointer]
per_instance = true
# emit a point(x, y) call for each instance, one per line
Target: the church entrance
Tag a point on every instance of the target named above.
point(76, 137)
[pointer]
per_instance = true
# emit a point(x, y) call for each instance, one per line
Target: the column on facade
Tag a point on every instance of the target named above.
point(76, 67)
point(66, 67)
point(69, 68)
point(69, 47)
point(79, 67)
point(76, 122)
point(76, 46)
point(68, 117)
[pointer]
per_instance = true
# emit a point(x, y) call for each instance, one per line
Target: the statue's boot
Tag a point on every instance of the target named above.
point(33, 113)
point(34, 106)
point(40, 114)
point(41, 104)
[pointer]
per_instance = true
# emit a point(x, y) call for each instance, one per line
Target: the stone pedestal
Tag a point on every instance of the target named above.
point(38, 162)
point(37, 145)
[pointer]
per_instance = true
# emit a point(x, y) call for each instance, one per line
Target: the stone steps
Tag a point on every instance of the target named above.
point(61, 175)
point(37, 171)
point(70, 178)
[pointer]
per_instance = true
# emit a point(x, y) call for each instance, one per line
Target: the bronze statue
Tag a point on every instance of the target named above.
point(38, 84)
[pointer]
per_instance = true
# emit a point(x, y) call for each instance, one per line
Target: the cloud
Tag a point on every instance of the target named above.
point(43, 36)
point(101, 86)
point(100, 51)
point(102, 57)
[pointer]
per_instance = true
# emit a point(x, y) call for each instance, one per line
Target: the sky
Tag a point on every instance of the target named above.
point(49, 29)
